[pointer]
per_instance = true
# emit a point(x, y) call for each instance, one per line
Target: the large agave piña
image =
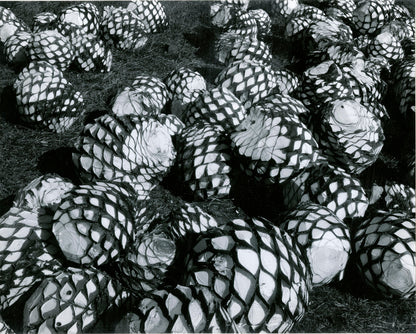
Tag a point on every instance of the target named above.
point(10, 24)
point(44, 97)
point(94, 223)
point(16, 46)
point(350, 135)
point(85, 15)
point(371, 15)
point(386, 45)
point(91, 54)
point(204, 159)
point(249, 81)
point(184, 85)
point(256, 271)
point(164, 225)
point(273, 144)
point(217, 106)
point(27, 253)
point(44, 191)
point(71, 301)
point(324, 238)
point(138, 150)
point(385, 253)
point(123, 28)
point(52, 47)
point(329, 186)
point(180, 309)
point(151, 13)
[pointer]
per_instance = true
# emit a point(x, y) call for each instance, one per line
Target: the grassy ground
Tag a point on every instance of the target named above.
point(26, 153)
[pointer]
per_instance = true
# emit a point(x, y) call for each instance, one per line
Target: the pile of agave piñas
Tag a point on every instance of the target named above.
point(116, 239)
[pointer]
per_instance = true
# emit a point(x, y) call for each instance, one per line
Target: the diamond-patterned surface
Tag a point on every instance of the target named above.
point(385, 254)
point(44, 97)
point(86, 16)
point(151, 13)
point(91, 54)
point(324, 239)
point(71, 301)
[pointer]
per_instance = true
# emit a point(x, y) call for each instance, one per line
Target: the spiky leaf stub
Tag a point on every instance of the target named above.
point(86, 16)
point(164, 225)
point(273, 145)
point(204, 160)
point(249, 81)
point(71, 301)
point(371, 15)
point(184, 86)
point(52, 47)
point(125, 149)
point(44, 191)
point(385, 254)
point(324, 83)
point(15, 47)
point(350, 135)
point(44, 97)
point(400, 197)
point(325, 239)
point(217, 106)
point(257, 273)
point(93, 225)
point(329, 186)
point(231, 48)
point(123, 28)
point(44, 21)
point(387, 46)
point(91, 54)
point(152, 13)
point(27, 253)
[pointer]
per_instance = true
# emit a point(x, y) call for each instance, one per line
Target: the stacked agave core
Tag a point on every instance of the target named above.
point(116, 240)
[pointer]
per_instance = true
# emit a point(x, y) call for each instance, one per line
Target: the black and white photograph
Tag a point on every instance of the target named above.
point(216, 166)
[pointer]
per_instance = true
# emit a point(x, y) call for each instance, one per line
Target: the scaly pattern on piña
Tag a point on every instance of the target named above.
point(287, 81)
point(94, 224)
point(16, 46)
point(52, 47)
point(340, 9)
point(85, 15)
point(281, 9)
point(403, 74)
point(324, 239)
point(350, 135)
point(44, 191)
point(217, 106)
point(255, 271)
point(27, 253)
point(44, 97)
point(10, 24)
point(329, 186)
point(370, 15)
point(387, 46)
point(124, 148)
point(91, 54)
point(385, 253)
point(71, 301)
point(153, 86)
point(164, 225)
point(180, 309)
point(249, 81)
point(123, 28)
point(204, 160)
point(301, 18)
point(264, 23)
point(151, 13)
point(274, 145)
point(44, 21)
